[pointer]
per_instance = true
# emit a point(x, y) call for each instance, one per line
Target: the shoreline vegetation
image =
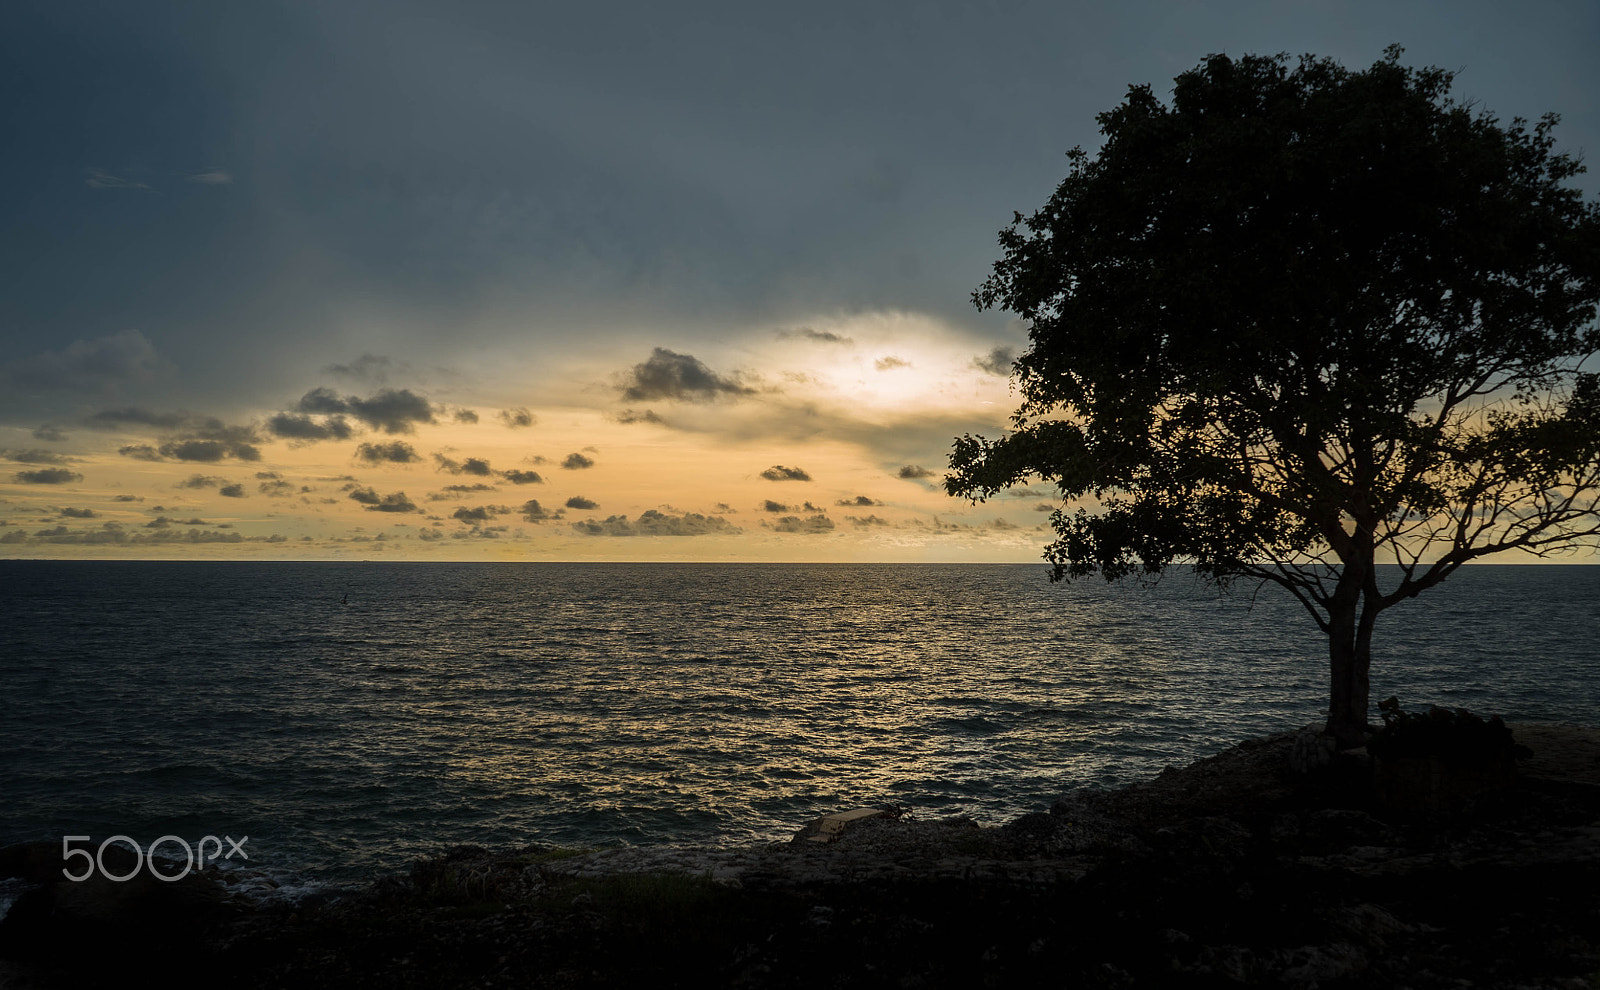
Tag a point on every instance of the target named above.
point(1274, 863)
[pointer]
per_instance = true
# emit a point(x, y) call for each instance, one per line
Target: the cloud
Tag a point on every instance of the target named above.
point(533, 512)
point(102, 364)
point(824, 336)
point(481, 514)
point(629, 416)
point(914, 471)
point(778, 472)
point(517, 418)
point(872, 520)
point(99, 178)
point(49, 432)
point(48, 476)
point(575, 462)
point(116, 419)
point(996, 362)
point(367, 368)
point(200, 481)
point(770, 506)
point(127, 498)
point(519, 477)
point(395, 452)
point(35, 456)
point(472, 465)
point(276, 489)
point(579, 502)
point(890, 363)
point(860, 500)
point(80, 513)
point(678, 377)
point(212, 177)
point(654, 523)
point(393, 502)
point(389, 410)
point(112, 532)
point(209, 451)
point(294, 426)
point(231, 491)
point(810, 525)
point(464, 416)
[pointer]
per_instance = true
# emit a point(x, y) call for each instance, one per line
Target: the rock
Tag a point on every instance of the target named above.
point(1312, 750)
point(828, 828)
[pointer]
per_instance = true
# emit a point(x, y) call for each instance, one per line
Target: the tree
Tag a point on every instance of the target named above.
point(1299, 323)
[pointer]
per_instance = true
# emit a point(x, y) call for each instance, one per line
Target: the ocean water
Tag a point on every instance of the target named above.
point(349, 716)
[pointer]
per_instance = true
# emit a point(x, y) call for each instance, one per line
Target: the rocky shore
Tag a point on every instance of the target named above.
point(1272, 864)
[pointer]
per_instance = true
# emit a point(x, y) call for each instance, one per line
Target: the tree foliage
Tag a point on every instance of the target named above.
point(1304, 320)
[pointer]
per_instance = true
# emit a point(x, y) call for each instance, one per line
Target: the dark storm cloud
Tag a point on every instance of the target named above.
point(912, 472)
point(774, 507)
point(630, 416)
point(682, 377)
point(472, 465)
point(859, 500)
point(810, 525)
point(99, 365)
point(298, 426)
point(520, 477)
point(48, 476)
point(778, 472)
point(35, 456)
point(517, 418)
point(654, 523)
point(996, 362)
point(577, 462)
point(394, 452)
point(579, 502)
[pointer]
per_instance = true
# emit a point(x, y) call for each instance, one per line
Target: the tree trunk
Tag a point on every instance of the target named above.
point(1349, 661)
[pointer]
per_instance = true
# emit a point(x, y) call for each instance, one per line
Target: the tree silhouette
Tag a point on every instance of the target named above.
point(1303, 321)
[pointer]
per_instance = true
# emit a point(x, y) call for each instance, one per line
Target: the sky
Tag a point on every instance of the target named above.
point(637, 281)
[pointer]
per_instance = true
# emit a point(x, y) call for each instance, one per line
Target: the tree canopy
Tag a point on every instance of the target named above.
point(1302, 321)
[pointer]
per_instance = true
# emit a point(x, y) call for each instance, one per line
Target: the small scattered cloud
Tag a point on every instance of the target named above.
point(774, 507)
point(200, 481)
point(373, 368)
point(577, 462)
point(859, 500)
point(464, 416)
point(48, 476)
point(654, 523)
point(394, 452)
point(276, 489)
point(579, 502)
point(297, 426)
point(212, 177)
point(519, 477)
point(99, 178)
point(389, 410)
point(811, 525)
point(912, 472)
point(890, 363)
point(517, 418)
point(996, 362)
point(209, 451)
point(533, 512)
point(49, 433)
point(472, 465)
point(630, 416)
point(231, 491)
point(778, 472)
point(873, 520)
point(677, 377)
point(392, 502)
point(479, 515)
point(35, 456)
point(79, 513)
point(822, 336)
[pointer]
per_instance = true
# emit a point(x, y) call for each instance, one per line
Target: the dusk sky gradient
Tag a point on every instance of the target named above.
point(534, 281)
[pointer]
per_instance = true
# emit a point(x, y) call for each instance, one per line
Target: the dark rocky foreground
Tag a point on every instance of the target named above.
point(1235, 871)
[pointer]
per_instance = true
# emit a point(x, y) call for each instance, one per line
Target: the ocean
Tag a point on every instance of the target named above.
point(347, 717)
